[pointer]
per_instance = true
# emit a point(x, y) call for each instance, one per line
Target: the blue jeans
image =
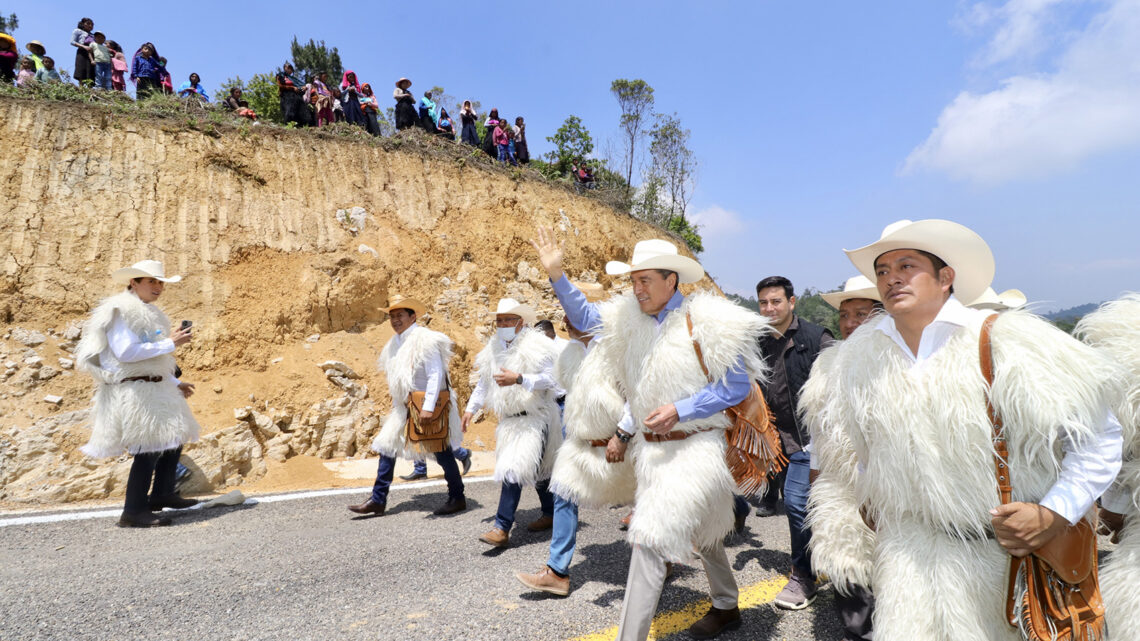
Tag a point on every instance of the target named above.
point(461, 454)
point(446, 460)
point(103, 75)
point(564, 536)
point(509, 502)
point(796, 488)
point(504, 151)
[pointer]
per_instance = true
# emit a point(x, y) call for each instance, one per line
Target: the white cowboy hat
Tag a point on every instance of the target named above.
point(658, 254)
point(957, 245)
point(1009, 299)
point(398, 301)
point(512, 306)
point(143, 269)
point(855, 287)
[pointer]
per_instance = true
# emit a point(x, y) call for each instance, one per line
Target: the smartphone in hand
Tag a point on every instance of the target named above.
point(186, 324)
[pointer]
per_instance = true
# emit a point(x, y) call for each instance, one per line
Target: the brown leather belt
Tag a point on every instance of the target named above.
point(143, 379)
point(671, 436)
point(600, 442)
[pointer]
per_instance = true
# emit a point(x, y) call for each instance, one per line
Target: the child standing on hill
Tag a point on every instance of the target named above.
point(101, 58)
point(48, 73)
point(27, 73)
point(118, 66)
point(502, 140)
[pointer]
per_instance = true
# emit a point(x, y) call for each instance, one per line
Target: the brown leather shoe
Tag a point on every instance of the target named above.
point(623, 525)
point(143, 519)
point(545, 581)
point(496, 538)
point(715, 622)
point(368, 507)
point(451, 507)
point(543, 522)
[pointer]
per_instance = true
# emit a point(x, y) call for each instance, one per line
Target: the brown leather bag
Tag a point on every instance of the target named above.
point(430, 434)
point(1054, 593)
point(754, 452)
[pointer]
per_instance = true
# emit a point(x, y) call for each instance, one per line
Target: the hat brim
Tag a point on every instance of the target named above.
point(958, 246)
point(526, 312)
point(403, 83)
point(124, 276)
point(409, 303)
point(688, 270)
point(835, 299)
point(42, 49)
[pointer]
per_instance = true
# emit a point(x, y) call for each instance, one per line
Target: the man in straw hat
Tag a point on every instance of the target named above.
point(139, 406)
point(415, 360)
point(909, 394)
point(991, 300)
point(684, 493)
point(514, 378)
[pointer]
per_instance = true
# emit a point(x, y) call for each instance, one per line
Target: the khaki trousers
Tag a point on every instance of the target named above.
point(647, 577)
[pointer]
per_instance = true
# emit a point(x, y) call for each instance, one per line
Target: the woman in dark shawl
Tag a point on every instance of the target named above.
point(349, 99)
point(289, 92)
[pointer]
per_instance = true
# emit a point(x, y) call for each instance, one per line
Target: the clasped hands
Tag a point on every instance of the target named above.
point(660, 421)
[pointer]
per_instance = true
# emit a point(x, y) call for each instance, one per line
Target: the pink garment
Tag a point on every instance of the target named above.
point(500, 137)
point(344, 81)
point(118, 68)
point(24, 77)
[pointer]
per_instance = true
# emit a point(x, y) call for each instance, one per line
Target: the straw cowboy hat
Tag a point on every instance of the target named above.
point(143, 269)
point(658, 254)
point(957, 245)
point(512, 306)
point(403, 83)
point(38, 45)
point(399, 301)
point(855, 287)
point(1009, 299)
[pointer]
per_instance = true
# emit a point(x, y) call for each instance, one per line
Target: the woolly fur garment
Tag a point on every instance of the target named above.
point(137, 416)
point(684, 488)
point(924, 439)
point(593, 409)
point(1115, 330)
point(525, 446)
point(400, 364)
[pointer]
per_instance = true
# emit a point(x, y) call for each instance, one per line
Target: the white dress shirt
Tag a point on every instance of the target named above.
point(430, 375)
point(1087, 469)
point(543, 380)
point(125, 346)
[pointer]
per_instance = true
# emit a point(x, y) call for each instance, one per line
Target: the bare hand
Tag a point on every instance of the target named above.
point(1111, 523)
point(662, 419)
point(425, 415)
point(615, 450)
point(182, 336)
point(1021, 528)
point(549, 251)
point(187, 389)
point(465, 421)
point(506, 378)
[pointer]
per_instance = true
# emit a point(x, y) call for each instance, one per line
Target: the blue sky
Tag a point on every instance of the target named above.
point(815, 124)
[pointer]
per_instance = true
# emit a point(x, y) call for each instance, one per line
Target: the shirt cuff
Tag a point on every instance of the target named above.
point(685, 410)
point(1068, 501)
point(528, 382)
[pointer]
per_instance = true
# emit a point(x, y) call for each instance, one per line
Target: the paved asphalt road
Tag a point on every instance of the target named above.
point(306, 569)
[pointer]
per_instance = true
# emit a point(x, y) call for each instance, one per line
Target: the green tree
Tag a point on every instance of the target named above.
point(260, 92)
point(635, 97)
point(8, 25)
point(571, 142)
point(810, 306)
point(313, 57)
point(684, 228)
point(673, 163)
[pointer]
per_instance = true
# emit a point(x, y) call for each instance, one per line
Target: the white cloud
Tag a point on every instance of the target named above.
point(1021, 32)
point(716, 221)
point(1036, 124)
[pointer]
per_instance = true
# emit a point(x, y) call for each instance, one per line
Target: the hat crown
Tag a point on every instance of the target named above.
point(856, 283)
point(646, 249)
point(895, 226)
point(506, 305)
point(152, 267)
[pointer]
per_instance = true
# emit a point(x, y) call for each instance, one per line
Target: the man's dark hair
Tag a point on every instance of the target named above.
point(777, 281)
point(938, 264)
point(665, 274)
point(544, 325)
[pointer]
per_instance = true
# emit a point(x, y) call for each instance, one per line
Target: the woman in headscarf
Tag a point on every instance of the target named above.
point(467, 117)
point(9, 55)
point(370, 108)
point(289, 90)
point(405, 104)
point(350, 99)
point(147, 71)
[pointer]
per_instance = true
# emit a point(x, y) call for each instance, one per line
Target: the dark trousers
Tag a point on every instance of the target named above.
point(855, 611)
point(509, 502)
point(446, 460)
point(160, 466)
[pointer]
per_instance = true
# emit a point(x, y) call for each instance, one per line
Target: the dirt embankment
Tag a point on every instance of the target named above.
point(275, 279)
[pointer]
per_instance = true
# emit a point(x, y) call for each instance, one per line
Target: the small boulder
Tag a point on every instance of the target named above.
point(28, 337)
point(53, 399)
point(337, 368)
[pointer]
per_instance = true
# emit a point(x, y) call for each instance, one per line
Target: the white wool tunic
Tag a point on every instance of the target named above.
point(415, 361)
point(921, 435)
point(684, 488)
point(529, 433)
point(136, 416)
point(1115, 330)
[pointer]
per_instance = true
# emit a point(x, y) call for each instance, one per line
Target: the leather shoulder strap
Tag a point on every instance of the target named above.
point(697, 346)
point(1001, 450)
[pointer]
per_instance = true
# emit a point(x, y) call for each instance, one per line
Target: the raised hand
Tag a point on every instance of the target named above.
point(549, 251)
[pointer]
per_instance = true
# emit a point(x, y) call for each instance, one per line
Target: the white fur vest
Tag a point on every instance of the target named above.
point(136, 416)
point(593, 409)
point(684, 488)
point(400, 363)
point(925, 442)
point(528, 435)
point(1115, 330)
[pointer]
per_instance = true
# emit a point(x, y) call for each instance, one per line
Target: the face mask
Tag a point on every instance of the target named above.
point(506, 333)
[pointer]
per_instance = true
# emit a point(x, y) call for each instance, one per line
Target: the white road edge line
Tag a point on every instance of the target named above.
point(274, 498)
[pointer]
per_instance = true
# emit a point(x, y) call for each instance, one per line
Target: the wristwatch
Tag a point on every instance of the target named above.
point(518, 381)
point(622, 436)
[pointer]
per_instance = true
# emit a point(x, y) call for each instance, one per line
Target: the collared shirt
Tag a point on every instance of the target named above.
point(710, 399)
point(430, 376)
point(542, 380)
point(125, 346)
point(1087, 469)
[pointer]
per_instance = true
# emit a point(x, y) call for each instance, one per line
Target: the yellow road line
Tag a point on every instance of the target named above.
point(667, 623)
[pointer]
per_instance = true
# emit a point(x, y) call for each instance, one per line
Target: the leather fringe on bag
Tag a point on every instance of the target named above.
point(754, 454)
point(1054, 593)
point(432, 433)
